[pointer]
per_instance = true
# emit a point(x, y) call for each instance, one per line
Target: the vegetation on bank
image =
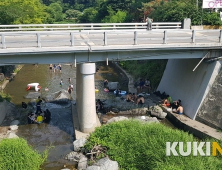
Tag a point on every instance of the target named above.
point(105, 11)
point(16, 154)
point(4, 96)
point(152, 69)
point(140, 146)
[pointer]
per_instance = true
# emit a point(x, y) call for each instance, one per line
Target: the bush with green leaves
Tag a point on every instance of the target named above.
point(16, 154)
point(5, 96)
point(152, 69)
point(140, 146)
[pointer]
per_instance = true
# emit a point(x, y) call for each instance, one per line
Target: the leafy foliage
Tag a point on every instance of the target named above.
point(5, 96)
point(17, 154)
point(22, 12)
point(143, 146)
point(152, 69)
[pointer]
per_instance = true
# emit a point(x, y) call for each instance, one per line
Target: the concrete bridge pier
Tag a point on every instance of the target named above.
point(85, 97)
point(181, 82)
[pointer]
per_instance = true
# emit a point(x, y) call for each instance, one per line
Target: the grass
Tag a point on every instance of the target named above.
point(16, 154)
point(138, 146)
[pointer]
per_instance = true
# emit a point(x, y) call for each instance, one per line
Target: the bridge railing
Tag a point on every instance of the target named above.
point(89, 26)
point(109, 38)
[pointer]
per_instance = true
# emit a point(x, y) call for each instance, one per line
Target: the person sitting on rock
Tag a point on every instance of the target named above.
point(167, 102)
point(129, 97)
point(179, 110)
point(31, 118)
point(134, 97)
point(176, 104)
point(140, 100)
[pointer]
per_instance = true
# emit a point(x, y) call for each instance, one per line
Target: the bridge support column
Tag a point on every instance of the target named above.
point(85, 97)
point(181, 82)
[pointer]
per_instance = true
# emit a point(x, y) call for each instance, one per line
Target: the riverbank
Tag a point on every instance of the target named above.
point(10, 76)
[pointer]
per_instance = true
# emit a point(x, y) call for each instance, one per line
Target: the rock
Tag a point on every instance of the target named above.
point(12, 135)
point(137, 111)
point(13, 127)
point(60, 97)
point(82, 164)
point(93, 167)
point(79, 143)
point(115, 110)
point(117, 119)
point(147, 119)
point(15, 122)
point(74, 156)
point(32, 95)
point(158, 112)
point(104, 164)
point(113, 85)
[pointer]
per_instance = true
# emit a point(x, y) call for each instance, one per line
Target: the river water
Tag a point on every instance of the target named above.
point(59, 132)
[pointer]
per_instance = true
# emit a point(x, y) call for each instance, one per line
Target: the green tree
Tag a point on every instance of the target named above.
point(88, 15)
point(22, 12)
point(114, 17)
point(71, 13)
point(56, 13)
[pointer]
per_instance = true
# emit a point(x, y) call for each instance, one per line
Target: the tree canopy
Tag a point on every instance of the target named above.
point(88, 11)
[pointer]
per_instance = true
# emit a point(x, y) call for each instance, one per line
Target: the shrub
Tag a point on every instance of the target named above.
point(16, 154)
point(152, 69)
point(5, 96)
point(143, 146)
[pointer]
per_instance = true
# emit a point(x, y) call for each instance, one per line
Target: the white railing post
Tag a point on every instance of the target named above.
point(91, 26)
point(193, 36)
point(72, 39)
point(165, 37)
point(38, 40)
point(105, 38)
point(135, 37)
point(220, 36)
point(3, 41)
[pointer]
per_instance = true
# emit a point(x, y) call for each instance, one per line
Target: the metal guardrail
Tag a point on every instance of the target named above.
point(109, 38)
point(89, 26)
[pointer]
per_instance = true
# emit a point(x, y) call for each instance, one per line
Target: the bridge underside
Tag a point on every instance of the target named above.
point(39, 56)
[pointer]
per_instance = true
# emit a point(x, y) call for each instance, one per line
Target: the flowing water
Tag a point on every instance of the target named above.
point(59, 132)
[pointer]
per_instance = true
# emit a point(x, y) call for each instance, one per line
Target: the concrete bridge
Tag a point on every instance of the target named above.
point(193, 59)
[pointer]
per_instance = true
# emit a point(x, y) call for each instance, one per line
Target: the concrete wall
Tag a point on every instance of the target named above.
point(180, 82)
point(210, 111)
point(3, 110)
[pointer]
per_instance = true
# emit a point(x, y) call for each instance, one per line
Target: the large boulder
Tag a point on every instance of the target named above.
point(104, 164)
point(74, 156)
point(82, 164)
point(113, 86)
point(61, 96)
point(117, 119)
point(32, 95)
point(157, 111)
point(79, 143)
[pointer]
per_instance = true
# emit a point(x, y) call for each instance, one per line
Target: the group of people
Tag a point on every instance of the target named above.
point(175, 105)
point(54, 67)
point(39, 118)
point(144, 84)
point(132, 97)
